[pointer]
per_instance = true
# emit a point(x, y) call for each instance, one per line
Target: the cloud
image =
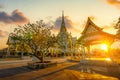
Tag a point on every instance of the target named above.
point(16, 17)
point(58, 21)
point(68, 23)
point(3, 33)
point(73, 27)
point(115, 3)
point(1, 5)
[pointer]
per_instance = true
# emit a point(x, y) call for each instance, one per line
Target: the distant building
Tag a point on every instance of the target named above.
point(11, 45)
point(3, 53)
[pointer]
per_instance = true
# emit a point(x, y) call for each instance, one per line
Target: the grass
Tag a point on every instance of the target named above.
point(9, 59)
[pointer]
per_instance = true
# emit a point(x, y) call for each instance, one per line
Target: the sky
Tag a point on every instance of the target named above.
point(104, 13)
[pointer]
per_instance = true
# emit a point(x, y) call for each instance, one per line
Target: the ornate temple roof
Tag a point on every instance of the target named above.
point(92, 34)
point(89, 22)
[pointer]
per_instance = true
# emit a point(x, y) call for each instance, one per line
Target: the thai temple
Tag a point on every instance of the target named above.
point(65, 39)
point(63, 46)
point(67, 45)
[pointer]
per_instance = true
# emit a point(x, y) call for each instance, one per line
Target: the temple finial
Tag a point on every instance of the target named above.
point(62, 16)
point(63, 28)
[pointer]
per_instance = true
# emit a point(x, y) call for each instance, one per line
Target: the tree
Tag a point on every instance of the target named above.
point(37, 37)
point(117, 26)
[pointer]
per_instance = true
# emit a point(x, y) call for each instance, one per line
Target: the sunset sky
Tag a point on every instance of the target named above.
point(18, 12)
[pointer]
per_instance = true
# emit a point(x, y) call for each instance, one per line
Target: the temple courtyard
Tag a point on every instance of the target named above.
point(63, 70)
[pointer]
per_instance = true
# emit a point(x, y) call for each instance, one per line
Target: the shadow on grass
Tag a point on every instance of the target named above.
point(13, 71)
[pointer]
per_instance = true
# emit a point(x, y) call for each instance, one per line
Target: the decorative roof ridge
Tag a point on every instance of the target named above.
point(89, 21)
point(107, 33)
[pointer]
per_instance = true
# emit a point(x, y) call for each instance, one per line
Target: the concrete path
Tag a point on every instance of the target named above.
point(17, 70)
point(63, 71)
point(23, 73)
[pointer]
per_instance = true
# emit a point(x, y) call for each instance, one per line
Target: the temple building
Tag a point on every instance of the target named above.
point(11, 45)
point(65, 42)
point(64, 38)
point(67, 45)
point(92, 35)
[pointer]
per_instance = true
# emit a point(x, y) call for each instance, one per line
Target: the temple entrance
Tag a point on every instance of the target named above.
point(93, 35)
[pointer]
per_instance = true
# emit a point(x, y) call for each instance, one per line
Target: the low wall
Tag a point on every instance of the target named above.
point(38, 65)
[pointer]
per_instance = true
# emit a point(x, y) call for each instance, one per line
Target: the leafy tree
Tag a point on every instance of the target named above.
point(37, 37)
point(117, 26)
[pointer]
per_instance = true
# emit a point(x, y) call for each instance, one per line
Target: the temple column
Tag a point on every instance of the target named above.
point(109, 52)
point(88, 50)
point(83, 52)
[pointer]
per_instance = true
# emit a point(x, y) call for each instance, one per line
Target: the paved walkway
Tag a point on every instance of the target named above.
point(19, 71)
point(63, 71)
point(23, 73)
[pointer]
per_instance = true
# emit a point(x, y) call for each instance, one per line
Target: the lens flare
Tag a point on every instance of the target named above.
point(104, 47)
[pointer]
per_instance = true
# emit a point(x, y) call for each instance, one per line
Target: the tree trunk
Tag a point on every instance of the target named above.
point(22, 55)
point(42, 59)
point(37, 56)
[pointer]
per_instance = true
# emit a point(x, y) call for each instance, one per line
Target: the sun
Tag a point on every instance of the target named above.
point(108, 59)
point(104, 47)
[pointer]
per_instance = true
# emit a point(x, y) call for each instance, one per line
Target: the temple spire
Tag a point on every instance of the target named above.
point(63, 17)
point(63, 28)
